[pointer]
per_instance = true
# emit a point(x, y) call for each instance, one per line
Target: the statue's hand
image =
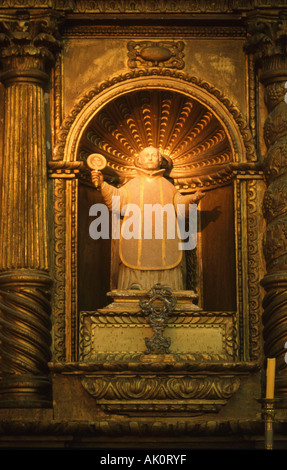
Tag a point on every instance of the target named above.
point(197, 196)
point(97, 178)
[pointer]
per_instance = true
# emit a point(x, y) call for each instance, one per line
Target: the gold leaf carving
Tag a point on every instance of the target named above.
point(135, 134)
point(133, 393)
point(267, 42)
point(180, 127)
point(156, 54)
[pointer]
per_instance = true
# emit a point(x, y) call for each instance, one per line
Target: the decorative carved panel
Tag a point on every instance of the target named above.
point(207, 336)
point(118, 332)
point(134, 394)
point(117, 335)
point(155, 54)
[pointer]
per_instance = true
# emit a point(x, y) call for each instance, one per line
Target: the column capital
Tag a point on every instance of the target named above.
point(267, 41)
point(29, 42)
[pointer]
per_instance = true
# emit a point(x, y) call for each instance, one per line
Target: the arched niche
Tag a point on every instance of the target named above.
point(206, 138)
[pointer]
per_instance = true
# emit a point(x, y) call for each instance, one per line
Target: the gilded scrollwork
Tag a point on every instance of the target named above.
point(160, 387)
point(158, 6)
point(59, 270)
point(63, 175)
point(156, 54)
point(157, 307)
point(134, 393)
point(254, 269)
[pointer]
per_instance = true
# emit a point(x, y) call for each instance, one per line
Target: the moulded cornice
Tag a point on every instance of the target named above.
point(146, 6)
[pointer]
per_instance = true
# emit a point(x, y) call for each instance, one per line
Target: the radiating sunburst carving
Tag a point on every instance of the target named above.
point(183, 129)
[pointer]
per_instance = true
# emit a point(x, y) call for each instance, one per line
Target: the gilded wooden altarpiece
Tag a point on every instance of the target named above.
point(150, 89)
point(216, 142)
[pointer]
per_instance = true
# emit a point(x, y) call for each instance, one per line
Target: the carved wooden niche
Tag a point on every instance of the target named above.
point(190, 136)
point(206, 144)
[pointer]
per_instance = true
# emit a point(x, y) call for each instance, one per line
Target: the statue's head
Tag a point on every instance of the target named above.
point(149, 159)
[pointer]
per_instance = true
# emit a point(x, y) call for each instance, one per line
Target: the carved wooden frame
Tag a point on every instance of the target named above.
point(244, 171)
point(226, 321)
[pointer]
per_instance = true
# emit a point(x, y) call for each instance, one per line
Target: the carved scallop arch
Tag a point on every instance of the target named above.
point(90, 104)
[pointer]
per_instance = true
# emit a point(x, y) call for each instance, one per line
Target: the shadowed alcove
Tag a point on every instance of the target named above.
point(198, 155)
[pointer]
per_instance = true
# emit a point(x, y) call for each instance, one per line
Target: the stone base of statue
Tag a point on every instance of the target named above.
point(140, 325)
point(156, 307)
point(129, 301)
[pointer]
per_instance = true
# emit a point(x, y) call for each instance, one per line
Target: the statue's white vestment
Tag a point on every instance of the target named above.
point(148, 261)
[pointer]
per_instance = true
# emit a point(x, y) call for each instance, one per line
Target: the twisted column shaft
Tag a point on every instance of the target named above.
point(275, 240)
point(25, 338)
point(267, 42)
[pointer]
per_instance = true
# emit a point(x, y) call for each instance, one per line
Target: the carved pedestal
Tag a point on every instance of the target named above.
point(190, 376)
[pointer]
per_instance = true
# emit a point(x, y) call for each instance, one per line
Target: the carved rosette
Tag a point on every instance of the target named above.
point(267, 43)
point(28, 44)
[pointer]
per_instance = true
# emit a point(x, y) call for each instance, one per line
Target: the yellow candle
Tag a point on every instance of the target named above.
point(270, 377)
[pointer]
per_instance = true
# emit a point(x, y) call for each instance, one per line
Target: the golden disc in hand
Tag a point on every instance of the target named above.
point(96, 161)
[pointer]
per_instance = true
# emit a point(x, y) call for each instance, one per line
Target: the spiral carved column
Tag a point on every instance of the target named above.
point(268, 44)
point(27, 47)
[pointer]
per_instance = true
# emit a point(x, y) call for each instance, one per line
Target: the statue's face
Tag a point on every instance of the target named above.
point(149, 159)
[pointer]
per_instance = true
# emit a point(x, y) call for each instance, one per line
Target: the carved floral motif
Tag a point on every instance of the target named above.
point(161, 393)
